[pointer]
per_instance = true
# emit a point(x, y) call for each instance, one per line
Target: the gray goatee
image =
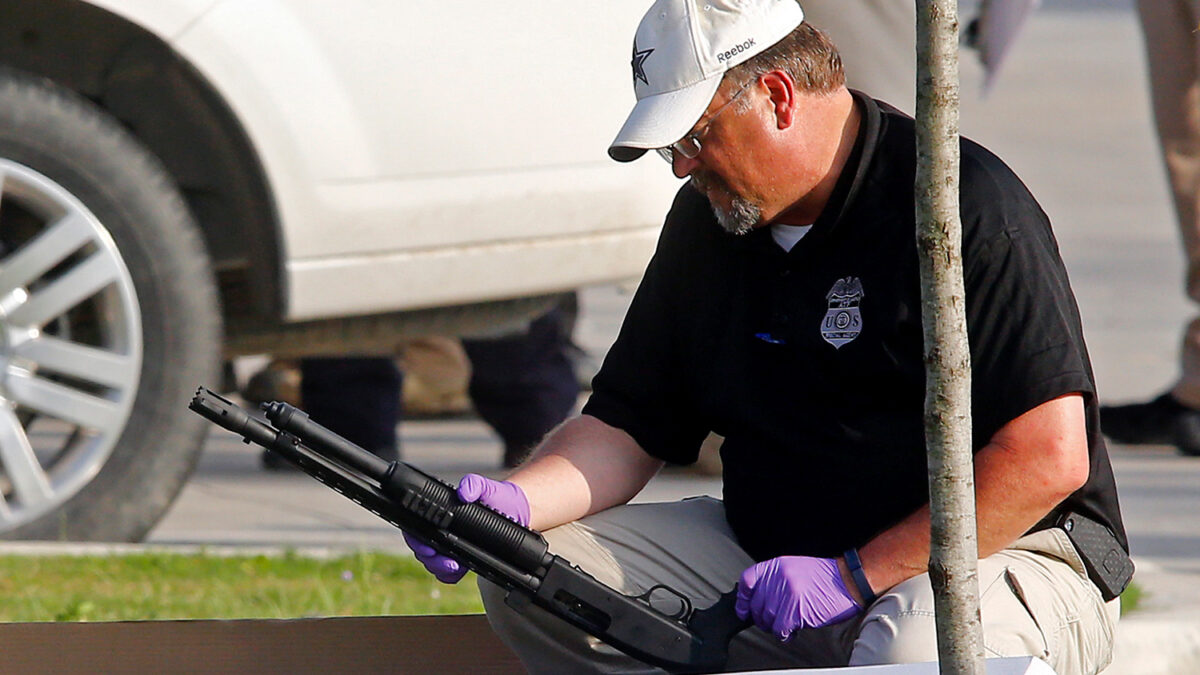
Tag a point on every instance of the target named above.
point(742, 214)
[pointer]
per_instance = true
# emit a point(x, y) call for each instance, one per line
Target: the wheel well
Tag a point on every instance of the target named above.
point(174, 112)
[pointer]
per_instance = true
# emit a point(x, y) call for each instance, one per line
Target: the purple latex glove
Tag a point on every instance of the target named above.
point(502, 496)
point(791, 592)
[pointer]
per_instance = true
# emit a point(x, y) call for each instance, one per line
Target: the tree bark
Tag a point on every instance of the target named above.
point(954, 547)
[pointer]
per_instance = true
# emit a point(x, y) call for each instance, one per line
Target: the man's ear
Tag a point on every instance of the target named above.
point(782, 92)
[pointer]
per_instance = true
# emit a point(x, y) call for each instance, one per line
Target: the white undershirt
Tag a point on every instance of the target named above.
point(788, 235)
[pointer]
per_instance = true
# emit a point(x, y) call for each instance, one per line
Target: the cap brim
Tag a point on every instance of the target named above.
point(659, 120)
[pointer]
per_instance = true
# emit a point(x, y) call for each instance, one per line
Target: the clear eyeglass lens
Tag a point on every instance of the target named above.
point(688, 146)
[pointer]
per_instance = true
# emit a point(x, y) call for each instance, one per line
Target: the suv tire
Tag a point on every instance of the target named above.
point(107, 323)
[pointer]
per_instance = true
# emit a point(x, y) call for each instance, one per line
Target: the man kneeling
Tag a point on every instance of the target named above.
point(782, 311)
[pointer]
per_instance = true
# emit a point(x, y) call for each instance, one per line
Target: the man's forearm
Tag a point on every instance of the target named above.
point(582, 467)
point(1031, 465)
point(902, 552)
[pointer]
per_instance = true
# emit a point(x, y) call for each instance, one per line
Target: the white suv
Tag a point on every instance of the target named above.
point(184, 181)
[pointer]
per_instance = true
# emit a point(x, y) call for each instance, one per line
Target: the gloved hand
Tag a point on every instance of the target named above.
point(502, 496)
point(790, 592)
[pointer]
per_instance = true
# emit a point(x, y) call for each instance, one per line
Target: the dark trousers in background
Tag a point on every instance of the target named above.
point(524, 385)
point(356, 397)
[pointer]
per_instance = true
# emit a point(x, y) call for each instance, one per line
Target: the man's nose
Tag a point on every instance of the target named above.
point(683, 166)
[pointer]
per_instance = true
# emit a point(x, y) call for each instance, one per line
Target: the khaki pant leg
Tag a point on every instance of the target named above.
point(436, 375)
point(1173, 56)
point(1035, 600)
point(686, 545)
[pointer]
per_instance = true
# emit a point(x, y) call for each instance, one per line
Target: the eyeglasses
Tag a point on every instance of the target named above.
point(689, 146)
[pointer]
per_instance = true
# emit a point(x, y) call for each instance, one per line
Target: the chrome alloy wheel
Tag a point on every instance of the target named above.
point(70, 345)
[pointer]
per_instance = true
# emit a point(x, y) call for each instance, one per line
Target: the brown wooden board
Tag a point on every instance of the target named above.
point(393, 644)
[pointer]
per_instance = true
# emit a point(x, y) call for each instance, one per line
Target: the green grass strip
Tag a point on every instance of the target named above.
point(160, 585)
point(200, 586)
point(1131, 599)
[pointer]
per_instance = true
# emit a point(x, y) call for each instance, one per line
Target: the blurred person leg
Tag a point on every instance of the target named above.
point(355, 397)
point(279, 380)
point(436, 374)
point(524, 385)
point(586, 366)
point(1172, 54)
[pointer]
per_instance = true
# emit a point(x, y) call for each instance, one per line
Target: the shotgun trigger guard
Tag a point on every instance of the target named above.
point(684, 608)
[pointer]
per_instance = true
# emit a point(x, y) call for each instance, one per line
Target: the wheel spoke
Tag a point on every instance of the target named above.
point(77, 285)
point(39, 256)
point(70, 347)
point(62, 402)
point(10, 426)
point(29, 481)
point(97, 366)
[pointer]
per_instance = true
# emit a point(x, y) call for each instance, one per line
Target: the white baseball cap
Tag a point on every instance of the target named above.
point(680, 52)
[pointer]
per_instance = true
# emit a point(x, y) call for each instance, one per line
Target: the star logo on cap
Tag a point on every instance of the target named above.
point(639, 58)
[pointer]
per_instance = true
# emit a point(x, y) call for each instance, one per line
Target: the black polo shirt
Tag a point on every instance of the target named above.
point(810, 364)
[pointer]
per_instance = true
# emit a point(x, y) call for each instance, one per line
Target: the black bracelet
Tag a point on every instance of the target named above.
point(854, 564)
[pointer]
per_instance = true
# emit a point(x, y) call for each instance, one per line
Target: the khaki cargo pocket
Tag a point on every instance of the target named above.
point(1078, 628)
point(1009, 627)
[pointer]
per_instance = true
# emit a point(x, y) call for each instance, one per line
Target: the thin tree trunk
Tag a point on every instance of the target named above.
point(954, 547)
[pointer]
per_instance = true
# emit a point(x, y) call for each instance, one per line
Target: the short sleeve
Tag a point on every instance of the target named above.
point(641, 386)
point(1023, 323)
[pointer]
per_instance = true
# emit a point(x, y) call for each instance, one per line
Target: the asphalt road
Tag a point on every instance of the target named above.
point(1070, 114)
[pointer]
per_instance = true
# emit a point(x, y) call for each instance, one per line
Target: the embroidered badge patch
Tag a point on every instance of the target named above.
point(843, 321)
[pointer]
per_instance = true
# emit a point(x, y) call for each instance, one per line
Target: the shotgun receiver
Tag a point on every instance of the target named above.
point(509, 555)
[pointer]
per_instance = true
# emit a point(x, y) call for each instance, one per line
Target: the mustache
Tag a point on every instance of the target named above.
point(706, 181)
